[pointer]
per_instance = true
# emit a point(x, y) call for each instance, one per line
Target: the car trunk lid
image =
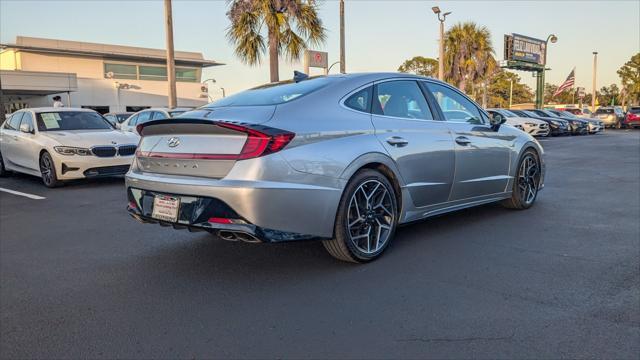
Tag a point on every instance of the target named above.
point(203, 147)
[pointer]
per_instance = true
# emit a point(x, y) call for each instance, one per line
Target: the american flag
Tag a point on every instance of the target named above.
point(571, 79)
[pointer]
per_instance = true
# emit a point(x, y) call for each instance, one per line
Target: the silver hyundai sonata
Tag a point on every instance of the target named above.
point(344, 159)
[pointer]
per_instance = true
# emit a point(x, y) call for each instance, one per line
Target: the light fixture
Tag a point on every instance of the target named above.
point(436, 10)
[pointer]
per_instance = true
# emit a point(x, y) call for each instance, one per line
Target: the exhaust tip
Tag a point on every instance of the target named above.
point(227, 235)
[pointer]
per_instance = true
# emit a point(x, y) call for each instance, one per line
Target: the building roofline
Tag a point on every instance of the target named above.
point(106, 51)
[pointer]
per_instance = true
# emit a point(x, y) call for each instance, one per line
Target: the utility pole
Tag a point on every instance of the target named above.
point(593, 84)
point(171, 63)
point(2, 113)
point(510, 92)
point(436, 10)
point(343, 67)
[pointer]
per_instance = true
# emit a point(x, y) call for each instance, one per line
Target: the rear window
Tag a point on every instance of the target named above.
point(634, 110)
point(604, 111)
point(273, 94)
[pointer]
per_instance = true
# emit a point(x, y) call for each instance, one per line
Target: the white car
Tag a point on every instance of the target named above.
point(531, 126)
point(60, 144)
point(143, 116)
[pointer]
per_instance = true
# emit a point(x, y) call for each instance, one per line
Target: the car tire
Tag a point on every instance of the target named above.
point(526, 182)
point(48, 171)
point(3, 171)
point(366, 220)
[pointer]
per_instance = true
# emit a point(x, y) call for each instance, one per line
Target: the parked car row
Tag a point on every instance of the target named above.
point(611, 116)
point(538, 122)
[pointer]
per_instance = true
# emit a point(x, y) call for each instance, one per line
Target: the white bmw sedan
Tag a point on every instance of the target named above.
point(59, 144)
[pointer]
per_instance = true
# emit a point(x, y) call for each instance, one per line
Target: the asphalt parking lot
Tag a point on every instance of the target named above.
point(80, 279)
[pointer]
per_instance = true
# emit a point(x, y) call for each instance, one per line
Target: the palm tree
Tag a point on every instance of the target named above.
point(468, 54)
point(291, 26)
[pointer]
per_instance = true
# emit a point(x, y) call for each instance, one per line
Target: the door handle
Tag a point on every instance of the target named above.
point(397, 141)
point(463, 140)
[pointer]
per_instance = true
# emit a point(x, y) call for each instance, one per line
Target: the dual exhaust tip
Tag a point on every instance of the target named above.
point(237, 236)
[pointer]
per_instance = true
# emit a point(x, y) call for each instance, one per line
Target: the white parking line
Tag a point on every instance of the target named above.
point(30, 196)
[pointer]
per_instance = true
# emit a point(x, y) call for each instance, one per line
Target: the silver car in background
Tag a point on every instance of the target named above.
point(344, 159)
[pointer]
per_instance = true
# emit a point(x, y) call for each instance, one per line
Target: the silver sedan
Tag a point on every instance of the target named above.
point(344, 159)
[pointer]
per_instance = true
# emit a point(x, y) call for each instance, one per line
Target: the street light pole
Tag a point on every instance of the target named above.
point(540, 74)
point(593, 84)
point(343, 67)
point(436, 10)
point(171, 63)
point(510, 92)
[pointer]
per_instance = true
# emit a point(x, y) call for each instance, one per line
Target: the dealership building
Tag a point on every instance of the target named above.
point(106, 78)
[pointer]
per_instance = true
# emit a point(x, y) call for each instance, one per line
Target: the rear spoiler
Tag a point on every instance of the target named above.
point(203, 126)
point(173, 121)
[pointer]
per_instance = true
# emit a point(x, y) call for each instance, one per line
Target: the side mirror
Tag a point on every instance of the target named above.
point(496, 120)
point(25, 128)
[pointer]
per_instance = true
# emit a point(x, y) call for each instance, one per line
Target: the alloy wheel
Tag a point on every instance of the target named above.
point(370, 216)
point(528, 179)
point(46, 169)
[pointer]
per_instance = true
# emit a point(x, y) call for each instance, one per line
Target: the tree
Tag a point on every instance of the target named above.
point(291, 26)
point(500, 86)
point(468, 54)
point(630, 77)
point(420, 65)
point(609, 95)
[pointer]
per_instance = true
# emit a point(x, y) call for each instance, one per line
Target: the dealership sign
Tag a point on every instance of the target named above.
point(524, 48)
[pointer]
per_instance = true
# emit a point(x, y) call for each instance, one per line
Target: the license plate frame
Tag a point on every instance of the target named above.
point(166, 208)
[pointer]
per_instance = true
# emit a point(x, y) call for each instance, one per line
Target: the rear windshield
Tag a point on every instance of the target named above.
point(71, 120)
point(604, 111)
point(273, 94)
point(176, 113)
point(634, 110)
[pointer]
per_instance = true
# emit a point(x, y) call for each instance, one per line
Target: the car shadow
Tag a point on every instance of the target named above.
point(25, 179)
point(206, 256)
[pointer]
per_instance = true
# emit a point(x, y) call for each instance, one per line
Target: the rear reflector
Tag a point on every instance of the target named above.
point(217, 220)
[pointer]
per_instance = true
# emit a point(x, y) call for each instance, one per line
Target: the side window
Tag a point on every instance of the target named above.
point(133, 121)
point(403, 99)
point(14, 122)
point(455, 106)
point(143, 117)
point(27, 119)
point(158, 115)
point(361, 100)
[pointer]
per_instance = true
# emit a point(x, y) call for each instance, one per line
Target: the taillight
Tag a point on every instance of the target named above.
point(260, 143)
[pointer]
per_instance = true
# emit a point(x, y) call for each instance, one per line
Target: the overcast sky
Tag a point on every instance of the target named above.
point(380, 35)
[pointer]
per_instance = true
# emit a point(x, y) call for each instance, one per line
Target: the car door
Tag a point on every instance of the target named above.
point(482, 155)
point(420, 145)
point(9, 137)
point(25, 152)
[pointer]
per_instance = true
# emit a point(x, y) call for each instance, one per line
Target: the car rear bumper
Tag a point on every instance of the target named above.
point(269, 211)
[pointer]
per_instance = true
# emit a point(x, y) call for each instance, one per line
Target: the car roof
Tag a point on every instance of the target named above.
point(57, 109)
point(168, 109)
